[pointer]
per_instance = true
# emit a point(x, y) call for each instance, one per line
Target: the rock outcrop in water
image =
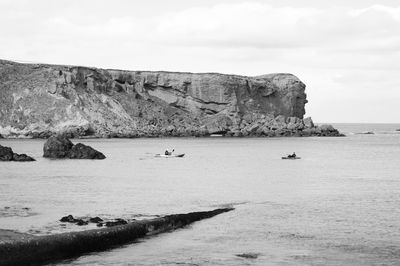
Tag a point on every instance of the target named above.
point(7, 154)
point(46, 249)
point(38, 100)
point(97, 220)
point(59, 146)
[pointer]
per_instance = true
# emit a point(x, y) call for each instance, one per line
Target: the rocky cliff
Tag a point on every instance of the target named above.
point(38, 100)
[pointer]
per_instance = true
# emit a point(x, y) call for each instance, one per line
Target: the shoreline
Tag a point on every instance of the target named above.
point(22, 137)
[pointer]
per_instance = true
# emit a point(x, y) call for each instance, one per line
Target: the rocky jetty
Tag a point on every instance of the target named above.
point(59, 146)
point(46, 249)
point(38, 100)
point(7, 154)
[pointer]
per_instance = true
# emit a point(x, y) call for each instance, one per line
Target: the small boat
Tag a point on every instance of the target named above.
point(170, 156)
point(290, 158)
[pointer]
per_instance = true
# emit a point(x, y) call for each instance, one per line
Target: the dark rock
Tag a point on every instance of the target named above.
point(95, 219)
point(82, 151)
point(367, 133)
point(6, 153)
point(61, 147)
point(248, 255)
point(118, 221)
point(326, 128)
point(57, 147)
point(40, 134)
point(327, 131)
point(71, 219)
point(22, 158)
point(67, 219)
point(81, 222)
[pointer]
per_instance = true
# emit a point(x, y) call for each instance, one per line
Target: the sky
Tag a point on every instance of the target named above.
point(347, 52)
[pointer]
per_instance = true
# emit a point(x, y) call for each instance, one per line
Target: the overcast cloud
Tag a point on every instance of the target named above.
point(347, 53)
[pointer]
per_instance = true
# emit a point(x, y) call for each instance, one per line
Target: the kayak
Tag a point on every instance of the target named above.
point(170, 156)
point(290, 158)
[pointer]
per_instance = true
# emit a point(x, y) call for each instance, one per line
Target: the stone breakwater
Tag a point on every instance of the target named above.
point(38, 100)
point(40, 250)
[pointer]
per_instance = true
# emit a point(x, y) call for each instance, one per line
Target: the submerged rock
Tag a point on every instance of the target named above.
point(16, 211)
point(71, 219)
point(95, 219)
point(81, 222)
point(60, 146)
point(367, 133)
point(118, 221)
point(248, 255)
point(7, 154)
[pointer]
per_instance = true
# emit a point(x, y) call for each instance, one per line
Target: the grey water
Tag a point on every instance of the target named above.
point(338, 205)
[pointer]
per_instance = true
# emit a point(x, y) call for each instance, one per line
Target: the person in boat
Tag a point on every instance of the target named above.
point(169, 152)
point(292, 155)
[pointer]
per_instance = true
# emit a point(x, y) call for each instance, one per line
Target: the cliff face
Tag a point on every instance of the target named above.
point(39, 100)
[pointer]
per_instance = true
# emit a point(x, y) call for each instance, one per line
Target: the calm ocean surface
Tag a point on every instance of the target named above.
point(338, 205)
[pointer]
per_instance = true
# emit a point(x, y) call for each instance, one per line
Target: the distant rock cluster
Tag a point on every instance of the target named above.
point(38, 101)
point(57, 146)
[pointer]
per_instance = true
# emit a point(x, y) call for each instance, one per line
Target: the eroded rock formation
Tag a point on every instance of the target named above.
point(59, 146)
point(7, 154)
point(39, 100)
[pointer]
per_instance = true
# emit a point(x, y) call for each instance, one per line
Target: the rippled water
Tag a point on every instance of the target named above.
point(338, 205)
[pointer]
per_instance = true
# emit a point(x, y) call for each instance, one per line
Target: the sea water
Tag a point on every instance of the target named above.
point(337, 205)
